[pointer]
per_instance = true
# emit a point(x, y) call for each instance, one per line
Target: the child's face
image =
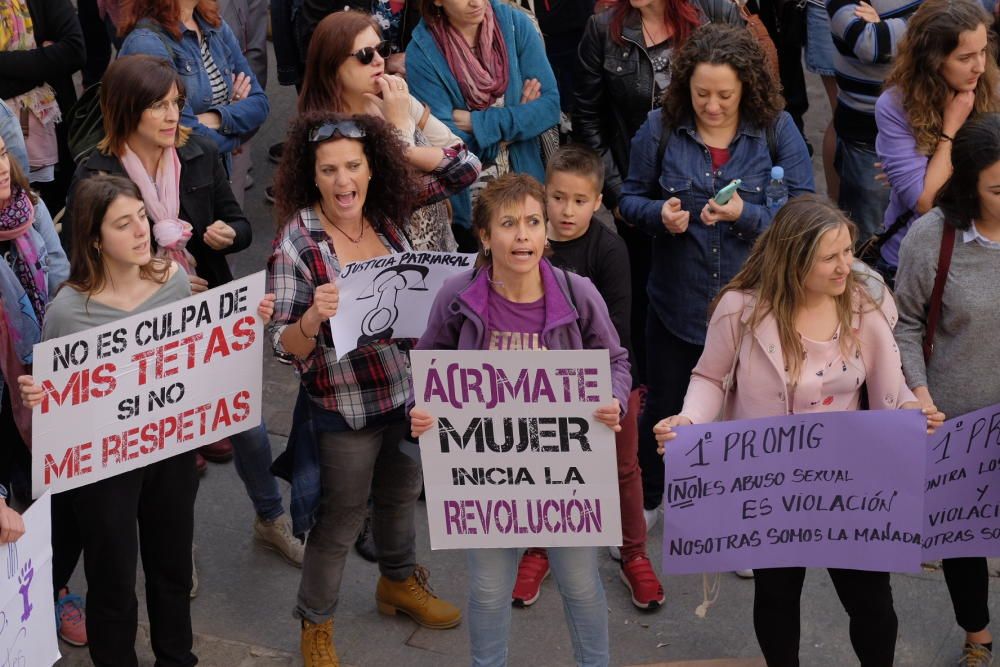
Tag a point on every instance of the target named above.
point(571, 200)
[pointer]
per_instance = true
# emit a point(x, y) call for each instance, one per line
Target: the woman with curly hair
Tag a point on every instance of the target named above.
point(721, 120)
point(945, 73)
point(344, 192)
point(345, 72)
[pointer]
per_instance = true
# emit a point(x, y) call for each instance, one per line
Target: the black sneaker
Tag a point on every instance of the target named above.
point(275, 151)
point(365, 544)
point(269, 194)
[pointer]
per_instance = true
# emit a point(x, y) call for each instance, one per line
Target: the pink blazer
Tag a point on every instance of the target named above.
point(761, 389)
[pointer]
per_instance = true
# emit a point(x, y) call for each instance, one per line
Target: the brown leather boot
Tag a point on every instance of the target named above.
point(317, 644)
point(414, 598)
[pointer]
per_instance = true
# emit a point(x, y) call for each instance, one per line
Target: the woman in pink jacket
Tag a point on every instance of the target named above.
point(805, 333)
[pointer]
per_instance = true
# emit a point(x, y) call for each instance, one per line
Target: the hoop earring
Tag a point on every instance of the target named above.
point(486, 251)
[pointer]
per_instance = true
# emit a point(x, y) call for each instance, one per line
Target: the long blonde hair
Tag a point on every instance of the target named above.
point(776, 270)
point(932, 33)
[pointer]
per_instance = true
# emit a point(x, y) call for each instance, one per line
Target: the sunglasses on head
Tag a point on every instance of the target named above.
point(347, 129)
point(367, 54)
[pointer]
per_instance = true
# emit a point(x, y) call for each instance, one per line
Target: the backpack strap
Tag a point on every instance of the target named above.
point(937, 294)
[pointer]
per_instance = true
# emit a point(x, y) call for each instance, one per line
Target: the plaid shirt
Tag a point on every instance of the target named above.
point(457, 170)
point(365, 383)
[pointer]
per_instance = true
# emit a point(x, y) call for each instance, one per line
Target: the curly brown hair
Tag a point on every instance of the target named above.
point(392, 192)
point(932, 33)
point(719, 44)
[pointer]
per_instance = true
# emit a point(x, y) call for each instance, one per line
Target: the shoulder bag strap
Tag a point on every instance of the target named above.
point(940, 278)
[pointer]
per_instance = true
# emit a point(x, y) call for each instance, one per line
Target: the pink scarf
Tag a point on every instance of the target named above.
point(482, 78)
point(162, 197)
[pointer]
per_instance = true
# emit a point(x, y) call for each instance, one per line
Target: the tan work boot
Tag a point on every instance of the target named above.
point(414, 598)
point(317, 644)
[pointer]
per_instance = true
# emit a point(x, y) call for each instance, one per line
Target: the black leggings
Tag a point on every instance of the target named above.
point(866, 596)
point(968, 582)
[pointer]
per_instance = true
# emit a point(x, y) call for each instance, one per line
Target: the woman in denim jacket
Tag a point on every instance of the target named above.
point(224, 99)
point(723, 120)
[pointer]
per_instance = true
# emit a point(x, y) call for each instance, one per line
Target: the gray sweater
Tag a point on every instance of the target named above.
point(962, 373)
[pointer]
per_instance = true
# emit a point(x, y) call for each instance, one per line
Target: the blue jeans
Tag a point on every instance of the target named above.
point(252, 458)
point(819, 41)
point(491, 581)
point(861, 196)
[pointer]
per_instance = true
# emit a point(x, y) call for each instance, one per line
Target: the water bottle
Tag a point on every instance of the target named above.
point(776, 193)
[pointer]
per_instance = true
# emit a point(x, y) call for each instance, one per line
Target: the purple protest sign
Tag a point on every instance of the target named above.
point(962, 499)
point(835, 489)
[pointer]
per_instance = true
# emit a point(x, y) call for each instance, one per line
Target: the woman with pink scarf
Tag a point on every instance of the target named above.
point(480, 66)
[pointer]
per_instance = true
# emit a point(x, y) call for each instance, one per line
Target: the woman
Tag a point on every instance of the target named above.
point(945, 72)
point(196, 221)
point(224, 100)
point(344, 194)
point(965, 338)
point(516, 290)
point(481, 67)
point(114, 275)
point(345, 73)
point(795, 310)
point(721, 120)
point(41, 47)
point(32, 266)
point(624, 69)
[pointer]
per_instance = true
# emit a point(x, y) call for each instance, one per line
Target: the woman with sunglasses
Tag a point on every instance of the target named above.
point(345, 72)
point(343, 197)
point(224, 100)
point(481, 67)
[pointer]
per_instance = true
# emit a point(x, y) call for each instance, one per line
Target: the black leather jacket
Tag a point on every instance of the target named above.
point(615, 90)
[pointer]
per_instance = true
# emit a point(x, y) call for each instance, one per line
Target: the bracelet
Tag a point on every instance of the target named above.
point(945, 137)
point(312, 338)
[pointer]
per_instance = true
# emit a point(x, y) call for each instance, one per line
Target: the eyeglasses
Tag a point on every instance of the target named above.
point(159, 109)
point(367, 54)
point(348, 129)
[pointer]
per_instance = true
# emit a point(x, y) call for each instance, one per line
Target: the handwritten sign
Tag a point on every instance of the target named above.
point(836, 489)
point(516, 458)
point(962, 499)
point(28, 618)
point(147, 387)
point(390, 296)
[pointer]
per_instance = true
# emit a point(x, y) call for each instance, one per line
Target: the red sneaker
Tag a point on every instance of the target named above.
point(531, 573)
point(71, 623)
point(217, 452)
point(638, 575)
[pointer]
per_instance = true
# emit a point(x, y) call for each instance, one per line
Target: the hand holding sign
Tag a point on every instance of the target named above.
point(11, 524)
point(664, 432)
point(326, 300)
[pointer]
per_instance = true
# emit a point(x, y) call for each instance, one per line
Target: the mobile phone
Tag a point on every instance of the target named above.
point(723, 196)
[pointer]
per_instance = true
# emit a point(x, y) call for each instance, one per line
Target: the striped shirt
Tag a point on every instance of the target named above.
point(367, 382)
point(220, 91)
point(862, 60)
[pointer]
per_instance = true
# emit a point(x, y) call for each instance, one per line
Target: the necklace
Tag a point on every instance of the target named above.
point(355, 241)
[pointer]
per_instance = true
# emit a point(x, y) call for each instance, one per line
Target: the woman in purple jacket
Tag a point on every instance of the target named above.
point(517, 300)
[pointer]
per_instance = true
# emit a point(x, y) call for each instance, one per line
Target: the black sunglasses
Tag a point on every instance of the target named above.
point(348, 129)
point(367, 54)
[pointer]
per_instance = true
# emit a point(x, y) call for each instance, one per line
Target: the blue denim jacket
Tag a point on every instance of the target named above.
point(690, 269)
point(10, 130)
point(238, 118)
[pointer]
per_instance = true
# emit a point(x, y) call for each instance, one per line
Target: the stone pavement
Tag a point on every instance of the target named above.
point(242, 615)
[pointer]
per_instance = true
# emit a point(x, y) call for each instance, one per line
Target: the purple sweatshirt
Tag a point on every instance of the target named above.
point(576, 318)
point(904, 165)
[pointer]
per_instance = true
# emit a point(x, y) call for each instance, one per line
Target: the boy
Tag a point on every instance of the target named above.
point(574, 179)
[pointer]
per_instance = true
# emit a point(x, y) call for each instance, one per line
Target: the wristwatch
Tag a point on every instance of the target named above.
point(3, 492)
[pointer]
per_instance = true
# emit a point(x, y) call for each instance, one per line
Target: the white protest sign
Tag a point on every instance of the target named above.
point(390, 296)
point(516, 458)
point(28, 617)
point(147, 387)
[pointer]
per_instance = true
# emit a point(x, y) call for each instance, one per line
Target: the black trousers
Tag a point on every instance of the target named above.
point(160, 499)
point(669, 362)
point(968, 582)
point(866, 596)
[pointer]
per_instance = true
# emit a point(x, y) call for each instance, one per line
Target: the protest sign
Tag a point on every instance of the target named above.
point(962, 498)
point(516, 458)
point(28, 618)
point(834, 489)
point(390, 296)
point(147, 387)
